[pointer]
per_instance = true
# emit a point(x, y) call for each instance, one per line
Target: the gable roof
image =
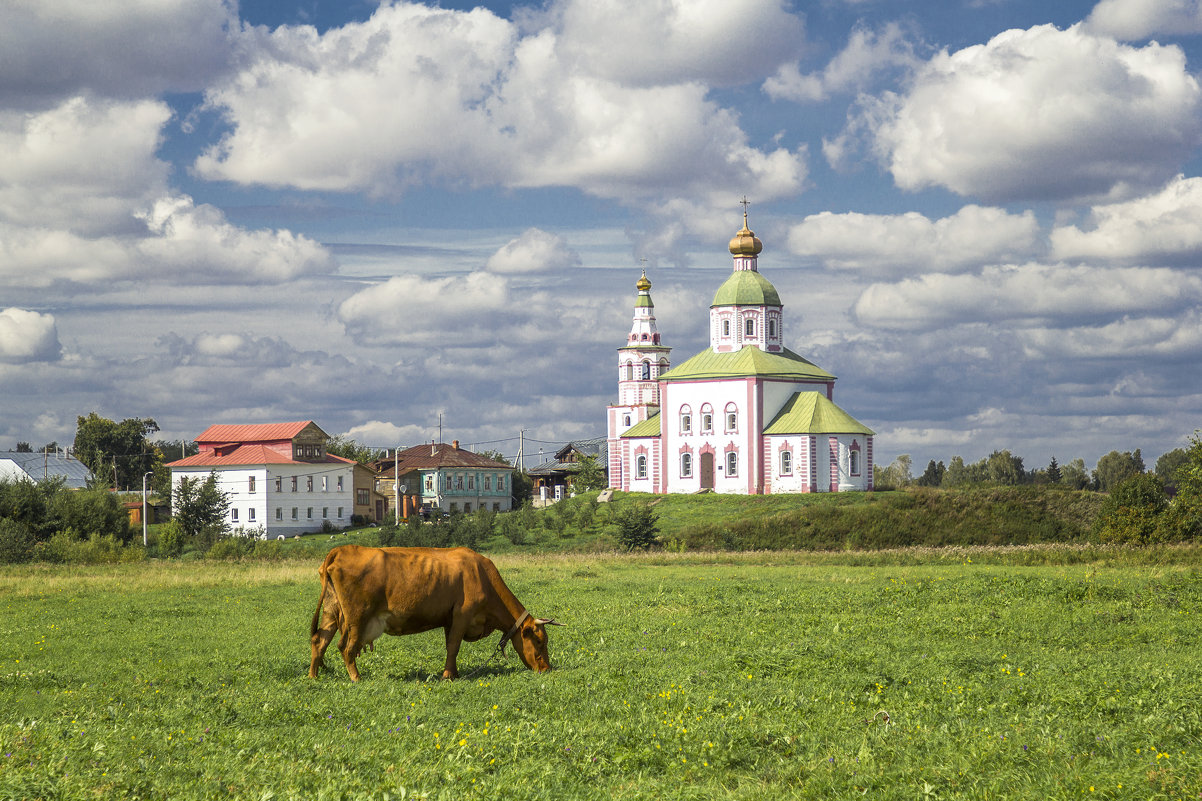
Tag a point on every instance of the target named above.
point(38, 466)
point(647, 428)
point(598, 448)
point(748, 361)
point(442, 455)
point(812, 413)
point(258, 432)
point(251, 454)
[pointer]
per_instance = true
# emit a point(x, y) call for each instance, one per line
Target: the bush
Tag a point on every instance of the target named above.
point(232, 548)
point(637, 527)
point(66, 547)
point(16, 542)
point(1132, 512)
point(172, 538)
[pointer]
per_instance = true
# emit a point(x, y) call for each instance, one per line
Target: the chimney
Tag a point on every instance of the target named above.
point(455, 444)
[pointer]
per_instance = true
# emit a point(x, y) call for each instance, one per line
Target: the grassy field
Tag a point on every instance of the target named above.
point(944, 674)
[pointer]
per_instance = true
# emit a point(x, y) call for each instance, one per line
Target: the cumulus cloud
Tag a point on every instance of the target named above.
point(1164, 227)
point(1161, 337)
point(866, 54)
point(457, 311)
point(118, 48)
point(1031, 292)
point(1037, 114)
point(535, 251)
point(883, 244)
point(321, 112)
point(28, 336)
point(675, 41)
point(1139, 19)
point(382, 434)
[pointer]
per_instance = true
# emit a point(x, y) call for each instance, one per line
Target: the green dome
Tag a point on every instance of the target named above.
point(746, 288)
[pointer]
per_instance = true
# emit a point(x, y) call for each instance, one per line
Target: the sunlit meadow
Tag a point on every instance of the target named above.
point(762, 675)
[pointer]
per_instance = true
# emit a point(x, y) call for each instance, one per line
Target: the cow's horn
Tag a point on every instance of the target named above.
point(549, 621)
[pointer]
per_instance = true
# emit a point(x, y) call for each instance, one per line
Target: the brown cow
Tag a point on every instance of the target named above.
point(366, 592)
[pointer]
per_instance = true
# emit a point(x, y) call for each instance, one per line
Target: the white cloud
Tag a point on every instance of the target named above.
point(116, 48)
point(535, 251)
point(1165, 226)
point(1139, 19)
point(1133, 336)
point(866, 54)
point(321, 112)
point(381, 434)
point(1031, 292)
point(28, 336)
point(1037, 114)
point(675, 41)
point(883, 244)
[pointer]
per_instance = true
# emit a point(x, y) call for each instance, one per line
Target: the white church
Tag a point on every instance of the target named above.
point(746, 415)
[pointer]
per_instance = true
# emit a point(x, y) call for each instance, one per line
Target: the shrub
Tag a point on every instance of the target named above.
point(172, 538)
point(232, 548)
point(16, 542)
point(637, 527)
point(1132, 512)
point(67, 548)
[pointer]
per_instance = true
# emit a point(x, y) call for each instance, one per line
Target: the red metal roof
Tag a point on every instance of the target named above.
point(252, 454)
point(259, 432)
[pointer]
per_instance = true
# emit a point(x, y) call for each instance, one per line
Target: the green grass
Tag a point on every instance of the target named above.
point(752, 676)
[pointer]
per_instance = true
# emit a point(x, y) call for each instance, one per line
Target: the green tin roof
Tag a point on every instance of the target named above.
point(812, 413)
point(749, 361)
point(746, 288)
point(643, 301)
point(648, 428)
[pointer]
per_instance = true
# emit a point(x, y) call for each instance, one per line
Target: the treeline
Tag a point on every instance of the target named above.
point(45, 521)
point(1002, 468)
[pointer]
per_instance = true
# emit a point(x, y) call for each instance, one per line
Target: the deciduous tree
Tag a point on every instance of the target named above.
point(118, 454)
point(1114, 468)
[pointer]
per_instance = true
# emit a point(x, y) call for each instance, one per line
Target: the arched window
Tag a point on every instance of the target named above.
point(629, 371)
point(732, 463)
point(626, 421)
point(732, 417)
point(686, 419)
point(640, 467)
point(786, 463)
point(646, 371)
point(855, 463)
point(707, 418)
point(772, 329)
point(686, 465)
point(749, 327)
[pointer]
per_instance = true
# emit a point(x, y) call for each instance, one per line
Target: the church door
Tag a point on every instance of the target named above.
point(707, 471)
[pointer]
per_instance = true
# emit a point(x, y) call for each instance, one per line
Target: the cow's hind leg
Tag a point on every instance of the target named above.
point(351, 645)
point(318, 644)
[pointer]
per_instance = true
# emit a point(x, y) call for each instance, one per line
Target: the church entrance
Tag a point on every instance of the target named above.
point(707, 471)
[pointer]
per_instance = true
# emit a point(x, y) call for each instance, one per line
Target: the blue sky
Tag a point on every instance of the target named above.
point(985, 217)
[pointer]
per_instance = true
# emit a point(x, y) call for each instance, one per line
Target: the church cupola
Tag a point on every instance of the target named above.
point(746, 309)
point(644, 358)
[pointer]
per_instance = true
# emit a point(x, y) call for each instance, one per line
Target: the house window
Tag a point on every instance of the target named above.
point(467, 507)
point(294, 513)
point(686, 465)
point(454, 507)
point(749, 327)
point(430, 483)
point(279, 513)
point(250, 484)
point(488, 483)
point(234, 515)
point(310, 513)
point(855, 463)
point(786, 463)
point(325, 513)
point(640, 467)
point(496, 507)
point(340, 483)
point(726, 328)
point(500, 483)
point(250, 514)
point(732, 418)
point(309, 483)
point(362, 497)
point(279, 484)
point(471, 482)
point(339, 512)
point(732, 463)
point(294, 480)
point(325, 481)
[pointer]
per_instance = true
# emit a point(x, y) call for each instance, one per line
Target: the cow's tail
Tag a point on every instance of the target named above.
point(324, 571)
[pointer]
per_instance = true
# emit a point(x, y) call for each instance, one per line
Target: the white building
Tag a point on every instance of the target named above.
point(746, 415)
point(278, 477)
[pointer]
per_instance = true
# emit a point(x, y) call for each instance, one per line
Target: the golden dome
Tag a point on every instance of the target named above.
point(643, 285)
point(745, 242)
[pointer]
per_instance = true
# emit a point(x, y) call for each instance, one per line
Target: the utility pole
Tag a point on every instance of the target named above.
point(519, 460)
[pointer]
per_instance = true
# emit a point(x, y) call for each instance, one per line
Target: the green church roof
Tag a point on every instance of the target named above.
point(746, 288)
point(648, 428)
point(812, 413)
point(749, 361)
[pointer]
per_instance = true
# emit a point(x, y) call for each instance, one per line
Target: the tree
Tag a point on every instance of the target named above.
point(118, 454)
point(1002, 468)
point(1074, 475)
point(1114, 468)
point(349, 449)
point(1132, 512)
point(200, 507)
point(896, 475)
point(637, 527)
point(24, 447)
point(1167, 466)
point(933, 475)
point(1053, 471)
point(956, 474)
point(590, 476)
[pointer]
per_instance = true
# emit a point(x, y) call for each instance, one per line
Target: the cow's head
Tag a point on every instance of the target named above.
point(530, 641)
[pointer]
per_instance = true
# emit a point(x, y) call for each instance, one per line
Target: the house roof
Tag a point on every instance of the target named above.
point(252, 454)
point(442, 455)
point(259, 432)
point(813, 413)
point(648, 428)
point(49, 465)
point(598, 448)
point(748, 361)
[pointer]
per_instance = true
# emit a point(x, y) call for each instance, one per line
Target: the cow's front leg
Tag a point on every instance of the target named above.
point(454, 639)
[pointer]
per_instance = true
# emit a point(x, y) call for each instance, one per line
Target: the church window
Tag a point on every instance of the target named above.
point(786, 463)
point(749, 327)
point(629, 371)
point(855, 463)
point(626, 421)
point(732, 463)
point(686, 465)
point(646, 371)
point(726, 328)
point(707, 418)
point(640, 467)
point(732, 417)
point(772, 329)
point(686, 419)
